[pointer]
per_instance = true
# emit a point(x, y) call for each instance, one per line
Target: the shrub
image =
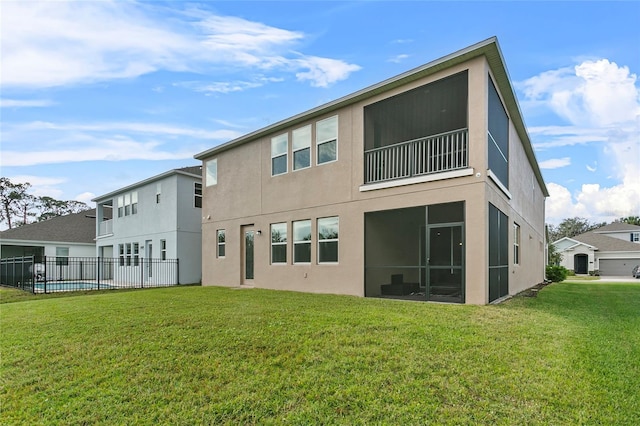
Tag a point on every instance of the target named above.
point(571, 272)
point(556, 273)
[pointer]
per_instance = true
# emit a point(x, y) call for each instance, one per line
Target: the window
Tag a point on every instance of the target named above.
point(158, 192)
point(121, 254)
point(279, 243)
point(62, 256)
point(279, 147)
point(134, 202)
point(328, 240)
point(327, 140)
point(128, 257)
point(120, 206)
point(302, 241)
point(163, 249)
point(498, 137)
point(301, 148)
point(211, 168)
point(516, 244)
point(635, 237)
point(221, 242)
point(127, 204)
point(197, 194)
point(136, 254)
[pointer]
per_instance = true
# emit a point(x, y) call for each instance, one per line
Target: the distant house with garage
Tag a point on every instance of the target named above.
point(612, 250)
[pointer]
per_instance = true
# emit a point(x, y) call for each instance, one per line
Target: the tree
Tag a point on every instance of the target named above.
point(18, 207)
point(571, 227)
point(631, 220)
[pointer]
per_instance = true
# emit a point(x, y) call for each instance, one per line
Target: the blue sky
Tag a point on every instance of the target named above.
point(98, 95)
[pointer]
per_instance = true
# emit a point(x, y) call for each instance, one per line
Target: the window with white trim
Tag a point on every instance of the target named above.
point(328, 231)
point(278, 243)
point(211, 172)
point(121, 254)
point(136, 254)
point(301, 146)
point(302, 241)
point(134, 202)
point(221, 237)
point(163, 249)
point(128, 254)
point(327, 140)
point(279, 148)
point(635, 237)
point(158, 192)
point(62, 256)
point(516, 244)
point(197, 194)
point(121, 206)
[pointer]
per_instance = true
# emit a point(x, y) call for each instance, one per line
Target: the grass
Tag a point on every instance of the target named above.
point(198, 355)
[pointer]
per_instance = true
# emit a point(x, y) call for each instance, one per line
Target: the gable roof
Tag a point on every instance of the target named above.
point(617, 227)
point(71, 228)
point(488, 48)
point(193, 171)
point(606, 243)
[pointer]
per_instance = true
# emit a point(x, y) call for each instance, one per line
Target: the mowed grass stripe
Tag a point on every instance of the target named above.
point(193, 355)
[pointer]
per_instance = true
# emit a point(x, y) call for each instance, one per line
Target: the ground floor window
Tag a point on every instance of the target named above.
point(302, 241)
point(328, 231)
point(163, 249)
point(62, 256)
point(278, 243)
point(221, 237)
point(416, 253)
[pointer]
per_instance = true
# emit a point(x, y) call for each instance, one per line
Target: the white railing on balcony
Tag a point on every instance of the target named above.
point(431, 154)
point(105, 227)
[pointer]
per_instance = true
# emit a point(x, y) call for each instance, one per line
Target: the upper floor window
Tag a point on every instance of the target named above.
point(279, 148)
point(327, 140)
point(197, 194)
point(328, 230)
point(134, 202)
point(279, 243)
point(128, 204)
point(301, 148)
point(158, 192)
point(498, 137)
point(302, 241)
point(211, 172)
point(121, 206)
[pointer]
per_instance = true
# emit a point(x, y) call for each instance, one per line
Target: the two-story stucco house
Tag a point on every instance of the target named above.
point(612, 250)
point(157, 218)
point(424, 186)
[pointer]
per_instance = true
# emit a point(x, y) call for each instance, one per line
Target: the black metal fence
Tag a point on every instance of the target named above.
point(42, 274)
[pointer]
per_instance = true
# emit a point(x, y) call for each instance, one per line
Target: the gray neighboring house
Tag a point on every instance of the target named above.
point(71, 235)
point(157, 218)
point(613, 250)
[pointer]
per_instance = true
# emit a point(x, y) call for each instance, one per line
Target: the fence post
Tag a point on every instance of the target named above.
point(98, 271)
point(178, 271)
point(46, 264)
point(142, 272)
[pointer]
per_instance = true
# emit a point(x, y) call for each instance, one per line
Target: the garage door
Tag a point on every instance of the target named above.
point(617, 267)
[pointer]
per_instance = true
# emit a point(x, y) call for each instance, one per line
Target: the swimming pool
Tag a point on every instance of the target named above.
point(70, 286)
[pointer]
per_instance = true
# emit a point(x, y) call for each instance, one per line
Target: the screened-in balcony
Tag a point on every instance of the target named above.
point(419, 132)
point(433, 154)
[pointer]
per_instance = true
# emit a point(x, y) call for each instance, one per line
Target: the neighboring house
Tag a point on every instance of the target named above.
point(71, 235)
point(612, 250)
point(424, 186)
point(158, 218)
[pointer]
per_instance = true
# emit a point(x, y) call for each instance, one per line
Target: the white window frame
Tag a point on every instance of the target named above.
point(158, 192)
point(328, 240)
point(301, 140)
point(163, 249)
point(134, 202)
point(635, 237)
point(516, 244)
point(298, 242)
point(277, 141)
point(62, 256)
point(322, 141)
point(211, 172)
point(121, 254)
point(279, 243)
point(128, 254)
point(121, 206)
point(197, 195)
point(136, 254)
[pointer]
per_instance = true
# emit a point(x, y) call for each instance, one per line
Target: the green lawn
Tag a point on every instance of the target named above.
point(193, 355)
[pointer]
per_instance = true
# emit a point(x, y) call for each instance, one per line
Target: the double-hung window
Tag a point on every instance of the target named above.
point(302, 241)
point(221, 236)
point(197, 194)
point(278, 243)
point(121, 206)
point(328, 231)
point(158, 192)
point(128, 246)
point(301, 147)
point(327, 140)
point(127, 204)
point(136, 254)
point(62, 256)
point(134, 202)
point(516, 244)
point(163, 249)
point(279, 148)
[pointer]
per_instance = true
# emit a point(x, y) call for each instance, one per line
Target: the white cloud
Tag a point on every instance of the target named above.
point(592, 168)
point(61, 43)
point(25, 103)
point(86, 198)
point(398, 58)
point(555, 163)
point(601, 103)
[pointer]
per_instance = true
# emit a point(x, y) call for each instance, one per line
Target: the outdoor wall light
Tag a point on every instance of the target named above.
point(259, 232)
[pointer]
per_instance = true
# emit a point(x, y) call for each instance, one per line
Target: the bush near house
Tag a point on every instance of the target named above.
point(557, 274)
